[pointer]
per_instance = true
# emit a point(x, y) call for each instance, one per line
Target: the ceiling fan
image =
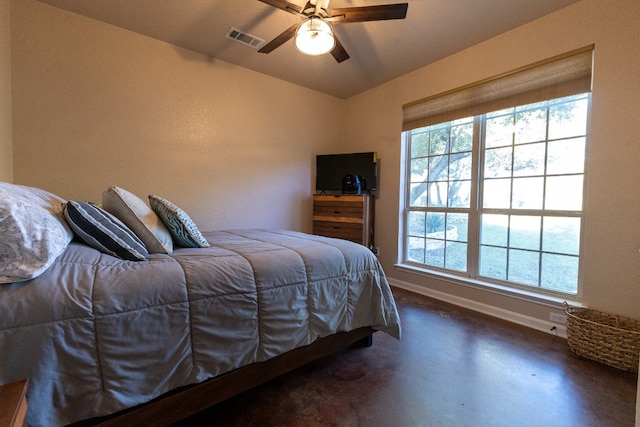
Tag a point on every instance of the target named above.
point(314, 35)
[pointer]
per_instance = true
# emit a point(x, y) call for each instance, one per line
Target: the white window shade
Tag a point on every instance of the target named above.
point(560, 76)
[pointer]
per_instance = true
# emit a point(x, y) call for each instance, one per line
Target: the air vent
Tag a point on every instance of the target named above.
point(244, 38)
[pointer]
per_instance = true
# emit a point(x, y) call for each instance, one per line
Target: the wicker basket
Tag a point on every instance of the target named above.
point(605, 338)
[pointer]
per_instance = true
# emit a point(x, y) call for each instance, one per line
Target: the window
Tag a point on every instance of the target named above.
point(497, 196)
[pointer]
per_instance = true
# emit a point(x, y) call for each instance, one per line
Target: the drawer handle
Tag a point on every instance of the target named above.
point(336, 212)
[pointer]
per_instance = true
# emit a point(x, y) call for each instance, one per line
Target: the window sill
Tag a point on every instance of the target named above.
point(548, 299)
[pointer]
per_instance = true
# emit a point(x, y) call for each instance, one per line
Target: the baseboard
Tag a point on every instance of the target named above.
point(500, 313)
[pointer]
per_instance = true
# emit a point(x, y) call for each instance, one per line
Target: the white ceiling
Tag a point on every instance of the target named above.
point(380, 51)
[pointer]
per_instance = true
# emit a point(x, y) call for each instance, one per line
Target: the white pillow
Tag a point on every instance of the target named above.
point(33, 232)
point(138, 216)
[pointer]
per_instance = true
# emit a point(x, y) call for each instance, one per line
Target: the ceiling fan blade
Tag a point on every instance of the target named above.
point(284, 5)
point(338, 52)
point(280, 40)
point(370, 13)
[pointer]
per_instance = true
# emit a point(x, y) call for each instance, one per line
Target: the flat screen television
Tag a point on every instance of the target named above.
point(332, 168)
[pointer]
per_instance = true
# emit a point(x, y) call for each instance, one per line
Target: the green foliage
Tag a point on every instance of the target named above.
point(435, 222)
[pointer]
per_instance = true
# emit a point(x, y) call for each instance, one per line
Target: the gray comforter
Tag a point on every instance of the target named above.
point(95, 334)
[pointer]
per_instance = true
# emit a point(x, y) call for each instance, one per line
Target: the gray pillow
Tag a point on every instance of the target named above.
point(136, 214)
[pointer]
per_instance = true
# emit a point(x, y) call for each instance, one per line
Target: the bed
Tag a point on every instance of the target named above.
point(96, 334)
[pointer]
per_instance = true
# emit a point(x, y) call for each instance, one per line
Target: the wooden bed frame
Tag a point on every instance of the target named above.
point(186, 401)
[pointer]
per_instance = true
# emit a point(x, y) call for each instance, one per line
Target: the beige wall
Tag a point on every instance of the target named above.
point(95, 105)
point(611, 279)
point(6, 155)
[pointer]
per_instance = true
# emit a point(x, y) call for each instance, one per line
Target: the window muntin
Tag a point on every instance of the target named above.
point(516, 220)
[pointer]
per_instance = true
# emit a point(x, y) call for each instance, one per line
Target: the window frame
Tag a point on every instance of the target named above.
point(475, 211)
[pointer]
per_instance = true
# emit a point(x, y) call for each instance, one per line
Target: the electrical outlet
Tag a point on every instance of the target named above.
point(557, 318)
point(375, 250)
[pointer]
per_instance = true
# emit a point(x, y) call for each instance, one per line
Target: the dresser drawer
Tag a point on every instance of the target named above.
point(353, 232)
point(337, 211)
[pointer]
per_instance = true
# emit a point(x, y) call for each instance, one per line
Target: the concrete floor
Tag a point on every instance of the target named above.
point(452, 367)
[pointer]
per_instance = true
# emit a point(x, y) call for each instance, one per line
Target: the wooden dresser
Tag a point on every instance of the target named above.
point(13, 404)
point(346, 216)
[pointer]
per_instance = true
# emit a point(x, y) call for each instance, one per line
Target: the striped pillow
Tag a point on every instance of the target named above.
point(103, 231)
point(183, 230)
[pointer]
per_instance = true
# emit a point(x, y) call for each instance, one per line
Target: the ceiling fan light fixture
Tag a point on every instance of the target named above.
point(314, 36)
